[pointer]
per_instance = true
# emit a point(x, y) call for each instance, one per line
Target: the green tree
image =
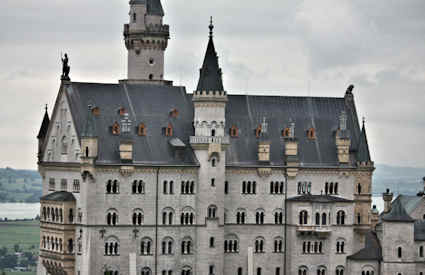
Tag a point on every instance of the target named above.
point(16, 247)
point(3, 251)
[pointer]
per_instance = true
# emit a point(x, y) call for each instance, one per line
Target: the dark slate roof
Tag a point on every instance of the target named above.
point(145, 103)
point(317, 198)
point(155, 8)
point(397, 213)
point(419, 229)
point(371, 251)
point(363, 154)
point(58, 196)
point(409, 202)
point(150, 104)
point(44, 126)
point(89, 129)
point(246, 112)
point(210, 74)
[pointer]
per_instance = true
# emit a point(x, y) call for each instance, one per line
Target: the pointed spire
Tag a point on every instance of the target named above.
point(44, 125)
point(210, 74)
point(90, 127)
point(154, 7)
point(363, 154)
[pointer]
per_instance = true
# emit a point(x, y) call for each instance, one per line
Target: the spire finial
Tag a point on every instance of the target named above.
point(211, 27)
point(364, 121)
point(45, 108)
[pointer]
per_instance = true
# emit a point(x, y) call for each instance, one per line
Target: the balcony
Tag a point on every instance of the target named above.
point(320, 231)
point(209, 140)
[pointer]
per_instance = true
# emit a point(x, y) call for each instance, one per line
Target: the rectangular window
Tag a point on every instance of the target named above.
point(51, 184)
point(211, 269)
point(212, 182)
point(226, 187)
point(64, 185)
point(76, 186)
point(277, 270)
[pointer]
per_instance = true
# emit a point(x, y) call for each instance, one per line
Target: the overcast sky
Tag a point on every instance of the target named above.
point(279, 47)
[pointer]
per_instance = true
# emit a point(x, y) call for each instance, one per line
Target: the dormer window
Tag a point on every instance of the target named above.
point(286, 132)
point(258, 131)
point(122, 111)
point(311, 133)
point(141, 130)
point(168, 131)
point(174, 113)
point(95, 111)
point(234, 131)
point(115, 128)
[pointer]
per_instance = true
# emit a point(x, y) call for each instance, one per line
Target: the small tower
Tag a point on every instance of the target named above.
point(387, 197)
point(89, 146)
point(42, 134)
point(342, 140)
point(209, 143)
point(146, 39)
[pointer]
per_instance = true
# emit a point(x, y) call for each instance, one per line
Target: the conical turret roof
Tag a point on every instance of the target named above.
point(44, 126)
point(363, 154)
point(210, 74)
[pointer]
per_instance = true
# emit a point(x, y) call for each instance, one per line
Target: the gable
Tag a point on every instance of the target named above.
point(62, 142)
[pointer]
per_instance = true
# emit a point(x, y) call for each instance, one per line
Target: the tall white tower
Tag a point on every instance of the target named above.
point(146, 39)
point(209, 144)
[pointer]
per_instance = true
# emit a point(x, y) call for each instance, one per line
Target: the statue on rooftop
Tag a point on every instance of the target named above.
point(65, 68)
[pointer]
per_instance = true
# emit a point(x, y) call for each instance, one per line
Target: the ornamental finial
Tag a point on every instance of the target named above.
point(211, 27)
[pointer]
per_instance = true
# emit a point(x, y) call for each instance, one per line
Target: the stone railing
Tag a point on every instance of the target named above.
point(209, 140)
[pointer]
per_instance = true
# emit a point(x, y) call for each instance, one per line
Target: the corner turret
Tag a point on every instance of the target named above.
point(42, 133)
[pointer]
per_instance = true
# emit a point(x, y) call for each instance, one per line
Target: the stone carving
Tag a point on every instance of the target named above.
point(65, 68)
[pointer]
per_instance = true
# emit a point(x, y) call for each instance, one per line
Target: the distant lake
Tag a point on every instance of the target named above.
point(30, 210)
point(12, 210)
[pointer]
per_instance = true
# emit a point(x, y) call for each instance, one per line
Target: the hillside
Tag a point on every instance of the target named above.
point(19, 185)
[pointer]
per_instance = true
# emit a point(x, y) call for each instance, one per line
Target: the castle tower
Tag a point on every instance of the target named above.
point(146, 39)
point(209, 143)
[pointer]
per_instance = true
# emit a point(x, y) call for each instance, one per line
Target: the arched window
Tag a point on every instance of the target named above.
point(258, 270)
point(212, 211)
point(167, 216)
point(138, 217)
point(213, 162)
point(259, 216)
point(336, 187)
point(212, 242)
point(240, 216)
point(213, 132)
point(321, 271)
point(302, 270)
point(303, 217)
point(399, 252)
point(340, 244)
point(340, 217)
point(187, 216)
point(112, 187)
point(278, 245)
point(259, 245)
point(240, 271)
point(226, 187)
point(146, 246)
point(186, 246)
point(186, 271)
point(167, 246)
point(231, 244)
point(324, 219)
point(112, 217)
point(165, 187)
point(109, 187)
point(317, 219)
point(278, 216)
point(234, 132)
point(326, 188)
point(244, 187)
point(331, 188)
point(359, 218)
point(339, 270)
point(111, 246)
point(146, 271)
point(421, 251)
point(359, 188)
point(138, 187)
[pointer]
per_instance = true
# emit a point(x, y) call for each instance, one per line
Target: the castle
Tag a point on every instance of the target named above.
point(141, 177)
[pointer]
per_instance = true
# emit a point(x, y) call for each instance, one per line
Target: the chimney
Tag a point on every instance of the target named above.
point(374, 217)
point(387, 197)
